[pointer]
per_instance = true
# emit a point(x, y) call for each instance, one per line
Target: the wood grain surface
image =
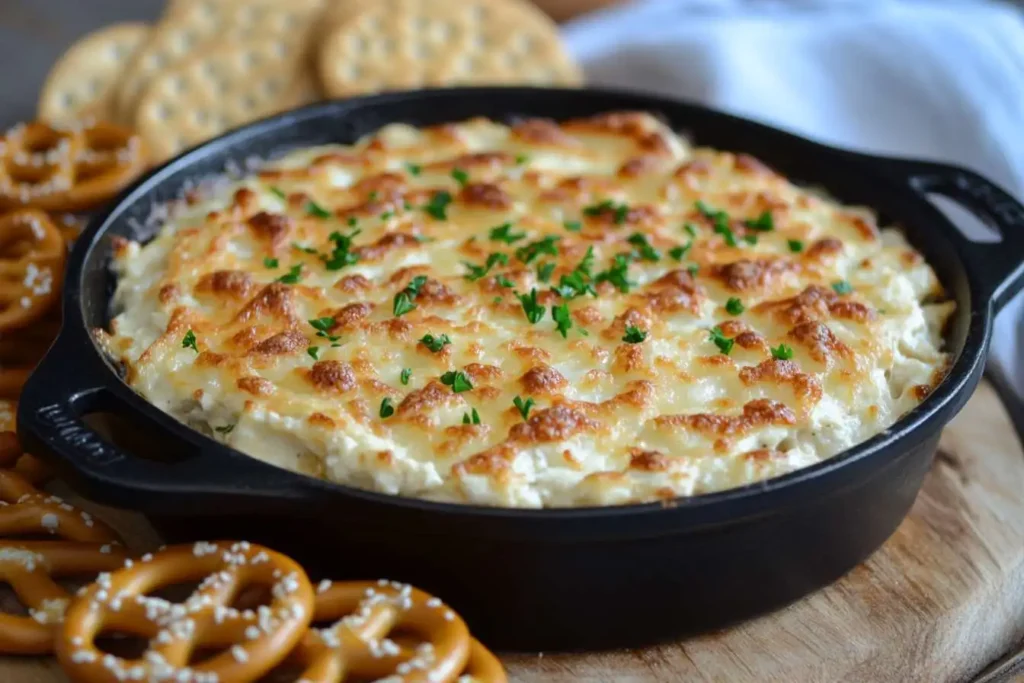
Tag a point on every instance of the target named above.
point(938, 603)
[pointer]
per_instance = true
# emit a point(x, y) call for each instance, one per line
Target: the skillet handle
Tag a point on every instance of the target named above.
point(205, 478)
point(999, 266)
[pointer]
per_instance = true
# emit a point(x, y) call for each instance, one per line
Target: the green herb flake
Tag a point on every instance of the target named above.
point(734, 306)
point(414, 169)
point(763, 223)
point(563, 320)
point(522, 159)
point(293, 275)
point(314, 352)
point(679, 253)
point(720, 219)
point(342, 254)
point(406, 374)
point(352, 221)
point(477, 272)
point(504, 281)
point(458, 381)
point(472, 417)
point(497, 300)
point(795, 246)
point(403, 302)
point(373, 195)
point(461, 177)
point(226, 429)
point(387, 215)
point(750, 238)
point(279, 193)
point(270, 262)
point(634, 335)
point(842, 287)
point(435, 344)
point(782, 352)
point(437, 207)
point(572, 226)
point(323, 328)
point(386, 409)
point(643, 248)
point(546, 245)
point(523, 406)
point(692, 269)
point(189, 341)
point(723, 343)
point(544, 271)
point(317, 211)
point(618, 274)
point(503, 233)
point(534, 311)
point(308, 250)
point(620, 212)
point(690, 229)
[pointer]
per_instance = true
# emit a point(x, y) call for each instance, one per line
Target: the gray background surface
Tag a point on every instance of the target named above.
point(34, 33)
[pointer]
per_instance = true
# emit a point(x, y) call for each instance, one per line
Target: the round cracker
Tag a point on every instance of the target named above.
point(190, 26)
point(217, 89)
point(82, 82)
point(395, 44)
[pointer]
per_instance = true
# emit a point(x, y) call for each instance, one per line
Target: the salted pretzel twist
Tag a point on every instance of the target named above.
point(435, 645)
point(248, 642)
point(32, 252)
point(28, 466)
point(66, 169)
point(25, 510)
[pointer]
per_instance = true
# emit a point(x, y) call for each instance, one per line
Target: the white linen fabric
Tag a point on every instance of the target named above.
point(938, 80)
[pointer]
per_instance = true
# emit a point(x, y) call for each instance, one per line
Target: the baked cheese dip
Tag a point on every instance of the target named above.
point(541, 314)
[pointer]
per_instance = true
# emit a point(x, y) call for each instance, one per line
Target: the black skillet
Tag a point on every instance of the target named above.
point(536, 579)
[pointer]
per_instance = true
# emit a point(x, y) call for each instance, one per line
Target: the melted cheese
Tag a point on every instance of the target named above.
point(635, 402)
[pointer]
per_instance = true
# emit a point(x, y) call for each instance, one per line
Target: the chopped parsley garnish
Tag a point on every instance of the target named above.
point(414, 169)
point(532, 250)
point(323, 328)
point(293, 275)
point(634, 335)
point(692, 268)
point(352, 221)
point(503, 233)
point(308, 250)
point(750, 238)
point(386, 409)
point(523, 406)
point(643, 247)
point(795, 246)
point(279, 193)
point(342, 255)
point(618, 274)
point(504, 281)
point(842, 287)
point(690, 229)
point(437, 343)
point(406, 374)
point(723, 343)
point(534, 311)
point(437, 207)
point(314, 209)
point(472, 417)
point(522, 158)
point(387, 215)
point(763, 223)
point(403, 302)
point(720, 219)
point(734, 306)
point(314, 352)
point(226, 429)
point(572, 226)
point(782, 352)
point(477, 272)
point(461, 177)
point(563, 321)
point(679, 252)
point(620, 212)
point(544, 271)
point(270, 262)
point(189, 341)
point(457, 380)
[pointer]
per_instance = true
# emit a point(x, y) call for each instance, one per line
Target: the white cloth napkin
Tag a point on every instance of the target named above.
point(940, 80)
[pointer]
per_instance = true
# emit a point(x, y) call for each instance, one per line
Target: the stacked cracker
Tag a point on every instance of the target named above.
point(211, 65)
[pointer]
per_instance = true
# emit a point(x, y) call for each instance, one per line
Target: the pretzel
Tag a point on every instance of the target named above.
point(357, 643)
point(29, 568)
point(249, 642)
point(32, 252)
point(66, 169)
point(24, 509)
point(31, 468)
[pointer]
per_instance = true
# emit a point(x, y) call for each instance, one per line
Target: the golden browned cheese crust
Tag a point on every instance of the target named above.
point(543, 314)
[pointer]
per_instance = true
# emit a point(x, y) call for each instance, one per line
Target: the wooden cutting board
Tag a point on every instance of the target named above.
point(938, 603)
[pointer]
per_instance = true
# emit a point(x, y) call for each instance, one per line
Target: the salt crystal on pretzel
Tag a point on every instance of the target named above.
point(32, 253)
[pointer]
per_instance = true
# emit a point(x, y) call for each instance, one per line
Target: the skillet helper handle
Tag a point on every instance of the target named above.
point(51, 424)
point(999, 265)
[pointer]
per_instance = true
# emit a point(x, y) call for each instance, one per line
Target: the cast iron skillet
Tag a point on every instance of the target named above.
point(537, 579)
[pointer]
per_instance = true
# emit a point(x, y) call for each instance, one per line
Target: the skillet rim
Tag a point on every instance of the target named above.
point(939, 406)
